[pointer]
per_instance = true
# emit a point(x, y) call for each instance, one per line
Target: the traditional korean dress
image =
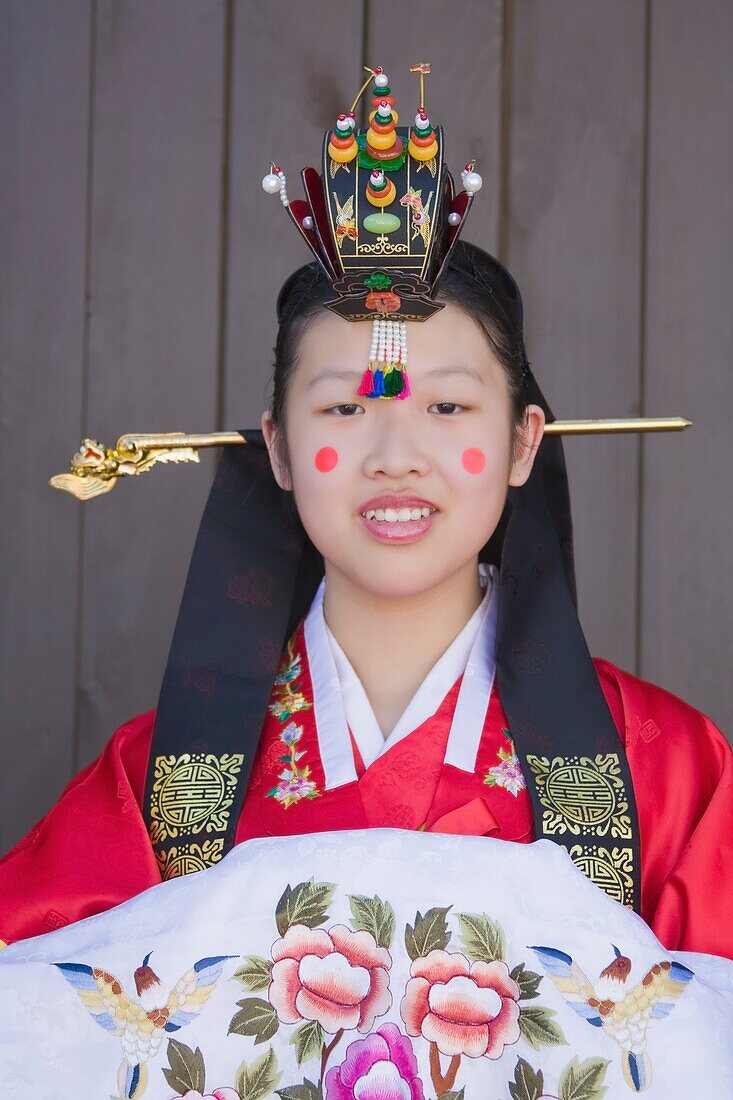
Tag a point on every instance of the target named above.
point(448, 766)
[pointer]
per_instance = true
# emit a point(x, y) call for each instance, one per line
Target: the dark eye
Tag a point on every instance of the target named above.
point(345, 410)
point(446, 408)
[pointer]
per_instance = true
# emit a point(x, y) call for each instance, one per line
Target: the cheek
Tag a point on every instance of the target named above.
point(474, 460)
point(325, 460)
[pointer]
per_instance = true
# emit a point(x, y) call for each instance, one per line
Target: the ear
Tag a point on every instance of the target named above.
point(272, 442)
point(529, 437)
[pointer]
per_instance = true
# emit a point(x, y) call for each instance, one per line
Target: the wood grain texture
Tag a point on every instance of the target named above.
point(44, 89)
point(153, 332)
point(296, 66)
point(687, 606)
point(574, 235)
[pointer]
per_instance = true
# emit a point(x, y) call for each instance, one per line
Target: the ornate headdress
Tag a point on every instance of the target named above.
point(382, 220)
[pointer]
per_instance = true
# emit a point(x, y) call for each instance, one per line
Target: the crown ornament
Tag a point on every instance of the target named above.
point(381, 218)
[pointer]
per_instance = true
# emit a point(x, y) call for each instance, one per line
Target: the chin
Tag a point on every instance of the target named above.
point(399, 575)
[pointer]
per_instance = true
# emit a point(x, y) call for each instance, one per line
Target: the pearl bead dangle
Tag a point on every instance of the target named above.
point(386, 375)
point(275, 182)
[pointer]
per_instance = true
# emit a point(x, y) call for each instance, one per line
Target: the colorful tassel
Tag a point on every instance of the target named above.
point(386, 375)
point(367, 383)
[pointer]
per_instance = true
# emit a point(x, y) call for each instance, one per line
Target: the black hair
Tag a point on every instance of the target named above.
point(474, 281)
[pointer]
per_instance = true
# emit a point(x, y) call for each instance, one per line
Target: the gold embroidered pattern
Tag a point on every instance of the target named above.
point(189, 858)
point(192, 793)
point(610, 868)
point(582, 795)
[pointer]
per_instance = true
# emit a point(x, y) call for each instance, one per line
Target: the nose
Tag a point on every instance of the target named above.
point(396, 450)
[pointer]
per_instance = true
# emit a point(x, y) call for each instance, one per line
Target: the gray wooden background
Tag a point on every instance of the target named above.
point(139, 260)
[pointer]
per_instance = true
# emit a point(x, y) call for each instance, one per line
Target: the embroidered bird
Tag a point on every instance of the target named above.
point(625, 1015)
point(142, 1023)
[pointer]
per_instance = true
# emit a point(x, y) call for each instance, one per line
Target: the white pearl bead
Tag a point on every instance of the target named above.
point(454, 219)
point(472, 182)
point(381, 80)
point(271, 183)
point(307, 222)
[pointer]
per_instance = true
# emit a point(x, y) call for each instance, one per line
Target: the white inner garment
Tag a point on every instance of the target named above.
point(341, 703)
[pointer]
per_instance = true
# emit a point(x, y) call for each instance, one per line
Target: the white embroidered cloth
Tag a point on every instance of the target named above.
point(369, 965)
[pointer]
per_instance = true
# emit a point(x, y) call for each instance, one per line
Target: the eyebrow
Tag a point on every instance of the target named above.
point(325, 375)
point(444, 371)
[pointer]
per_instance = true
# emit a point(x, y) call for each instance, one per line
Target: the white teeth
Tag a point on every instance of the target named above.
point(401, 515)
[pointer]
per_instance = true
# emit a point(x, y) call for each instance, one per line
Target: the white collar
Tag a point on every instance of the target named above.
point(340, 701)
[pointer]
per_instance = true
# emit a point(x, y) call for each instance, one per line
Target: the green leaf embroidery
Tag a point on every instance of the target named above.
point(186, 1068)
point(538, 1027)
point(307, 1040)
point(305, 904)
point(254, 973)
point(528, 1084)
point(306, 1091)
point(482, 938)
point(259, 1079)
point(453, 1095)
point(584, 1080)
point(527, 981)
point(375, 916)
point(256, 1017)
point(429, 933)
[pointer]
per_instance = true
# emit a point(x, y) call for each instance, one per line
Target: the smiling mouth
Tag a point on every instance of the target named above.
point(398, 525)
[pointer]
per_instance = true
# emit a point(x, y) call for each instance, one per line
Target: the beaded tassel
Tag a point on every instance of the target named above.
point(386, 375)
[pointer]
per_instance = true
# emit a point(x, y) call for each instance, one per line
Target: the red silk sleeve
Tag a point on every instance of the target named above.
point(91, 851)
point(682, 769)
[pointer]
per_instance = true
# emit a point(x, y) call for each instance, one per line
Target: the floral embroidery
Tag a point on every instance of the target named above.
point(330, 981)
point(330, 984)
point(382, 1065)
point(508, 772)
point(337, 979)
point(294, 782)
point(463, 1007)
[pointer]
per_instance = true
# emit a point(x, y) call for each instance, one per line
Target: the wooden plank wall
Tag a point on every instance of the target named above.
point(139, 262)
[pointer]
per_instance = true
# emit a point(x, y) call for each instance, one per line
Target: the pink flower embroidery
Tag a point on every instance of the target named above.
point(508, 772)
point(462, 1007)
point(338, 978)
point(292, 788)
point(380, 1067)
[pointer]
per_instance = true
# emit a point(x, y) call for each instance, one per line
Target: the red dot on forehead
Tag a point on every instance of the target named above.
point(473, 460)
point(326, 459)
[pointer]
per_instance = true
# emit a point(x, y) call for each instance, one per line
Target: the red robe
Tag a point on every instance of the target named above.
point(91, 851)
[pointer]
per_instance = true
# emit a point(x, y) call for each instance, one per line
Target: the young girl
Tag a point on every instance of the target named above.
point(425, 689)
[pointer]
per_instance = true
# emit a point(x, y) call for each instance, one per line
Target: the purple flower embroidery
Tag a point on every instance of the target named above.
point(292, 788)
point(291, 733)
point(508, 772)
point(380, 1067)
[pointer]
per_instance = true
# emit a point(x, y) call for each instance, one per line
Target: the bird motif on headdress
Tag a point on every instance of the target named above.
point(345, 221)
point(625, 1014)
point(142, 1023)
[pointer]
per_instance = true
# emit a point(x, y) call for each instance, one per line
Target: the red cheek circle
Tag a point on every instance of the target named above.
point(473, 460)
point(326, 459)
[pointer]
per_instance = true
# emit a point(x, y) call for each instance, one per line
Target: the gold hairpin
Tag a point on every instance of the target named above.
point(94, 468)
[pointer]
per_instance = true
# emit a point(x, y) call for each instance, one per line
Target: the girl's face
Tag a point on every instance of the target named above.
point(442, 457)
